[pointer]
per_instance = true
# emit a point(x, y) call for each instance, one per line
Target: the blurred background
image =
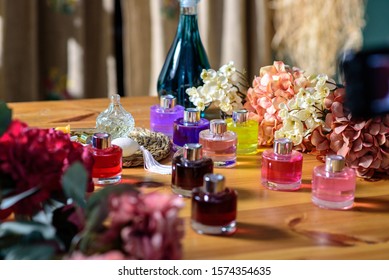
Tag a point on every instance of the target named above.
point(68, 49)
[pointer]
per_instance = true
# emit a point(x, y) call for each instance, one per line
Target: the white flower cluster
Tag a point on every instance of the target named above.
point(220, 87)
point(305, 111)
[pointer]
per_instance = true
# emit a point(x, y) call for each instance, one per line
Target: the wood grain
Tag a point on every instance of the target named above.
point(271, 225)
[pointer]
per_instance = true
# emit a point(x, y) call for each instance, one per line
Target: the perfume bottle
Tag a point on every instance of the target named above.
point(115, 120)
point(188, 169)
point(214, 207)
point(246, 131)
point(186, 58)
point(333, 184)
point(187, 129)
point(219, 144)
point(107, 167)
point(163, 116)
point(282, 166)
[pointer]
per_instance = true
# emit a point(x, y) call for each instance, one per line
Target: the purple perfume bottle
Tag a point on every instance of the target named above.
point(282, 166)
point(333, 184)
point(162, 116)
point(214, 207)
point(188, 169)
point(187, 129)
point(219, 144)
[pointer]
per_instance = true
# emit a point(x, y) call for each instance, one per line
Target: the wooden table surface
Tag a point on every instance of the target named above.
point(271, 224)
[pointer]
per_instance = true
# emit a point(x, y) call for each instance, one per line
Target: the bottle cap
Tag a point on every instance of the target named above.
point(101, 140)
point(240, 116)
point(213, 183)
point(193, 151)
point(167, 101)
point(189, 3)
point(282, 146)
point(334, 163)
point(191, 115)
point(218, 126)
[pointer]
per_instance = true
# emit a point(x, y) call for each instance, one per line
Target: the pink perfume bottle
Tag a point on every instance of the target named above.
point(282, 166)
point(219, 144)
point(162, 116)
point(214, 207)
point(107, 167)
point(187, 129)
point(333, 184)
point(188, 169)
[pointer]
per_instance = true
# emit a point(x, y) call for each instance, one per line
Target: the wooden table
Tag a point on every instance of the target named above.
point(271, 224)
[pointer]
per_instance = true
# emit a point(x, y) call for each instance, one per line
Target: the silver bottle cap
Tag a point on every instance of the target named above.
point(191, 115)
point(193, 151)
point(240, 116)
point(218, 126)
point(213, 183)
point(282, 146)
point(101, 140)
point(189, 3)
point(167, 101)
point(334, 163)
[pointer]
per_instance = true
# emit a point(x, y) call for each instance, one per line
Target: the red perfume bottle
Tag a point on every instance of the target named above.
point(214, 207)
point(188, 169)
point(107, 167)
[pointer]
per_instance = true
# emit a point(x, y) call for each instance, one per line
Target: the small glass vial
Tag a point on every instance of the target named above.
point(333, 184)
point(163, 116)
point(219, 144)
point(187, 129)
point(214, 207)
point(246, 131)
point(188, 169)
point(282, 166)
point(107, 167)
point(115, 120)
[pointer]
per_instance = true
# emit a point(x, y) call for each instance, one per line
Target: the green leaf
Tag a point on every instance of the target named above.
point(5, 117)
point(31, 252)
point(74, 182)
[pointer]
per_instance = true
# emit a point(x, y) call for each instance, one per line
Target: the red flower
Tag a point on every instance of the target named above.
point(33, 157)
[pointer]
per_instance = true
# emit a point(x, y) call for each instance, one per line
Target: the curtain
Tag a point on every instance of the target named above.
point(231, 30)
point(56, 49)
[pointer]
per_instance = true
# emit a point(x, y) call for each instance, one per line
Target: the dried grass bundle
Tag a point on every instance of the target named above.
point(312, 34)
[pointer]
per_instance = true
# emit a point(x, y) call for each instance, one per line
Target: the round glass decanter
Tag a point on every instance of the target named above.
point(115, 120)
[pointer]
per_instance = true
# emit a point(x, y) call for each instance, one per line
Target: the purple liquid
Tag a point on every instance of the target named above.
point(185, 133)
point(161, 120)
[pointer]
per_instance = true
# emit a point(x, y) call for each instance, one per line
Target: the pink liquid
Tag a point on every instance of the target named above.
point(333, 190)
point(281, 172)
point(222, 151)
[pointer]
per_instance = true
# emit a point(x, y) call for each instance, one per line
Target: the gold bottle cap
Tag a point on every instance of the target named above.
point(191, 115)
point(213, 183)
point(101, 140)
point(334, 163)
point(283, 146)
point(193, 151)
point(167, 101)
point(218, 126)
point(240, 116)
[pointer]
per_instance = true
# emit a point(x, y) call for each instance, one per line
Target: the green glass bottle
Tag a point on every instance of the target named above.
point(246, 130)
point(185, 59)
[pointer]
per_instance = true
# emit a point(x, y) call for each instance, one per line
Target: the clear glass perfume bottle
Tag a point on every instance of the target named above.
point(333, 184)
point(282, 166)
point(186, 57)
point(219, 144)
point(246, 131)
point(162, 116)
point(188, 169)
point(187, 129)
point(214, 207)
point(115, 120)
point(107, 166)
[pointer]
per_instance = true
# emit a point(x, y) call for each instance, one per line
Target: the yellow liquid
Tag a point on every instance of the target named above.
point(247, 136)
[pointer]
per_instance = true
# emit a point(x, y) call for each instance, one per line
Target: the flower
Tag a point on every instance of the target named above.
point(37, 158)
point(224, 88)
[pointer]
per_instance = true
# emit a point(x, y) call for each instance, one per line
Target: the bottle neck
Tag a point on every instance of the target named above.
point(192, 10)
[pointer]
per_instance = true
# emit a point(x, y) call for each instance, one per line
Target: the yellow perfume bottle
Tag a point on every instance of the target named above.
point(246, 130)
